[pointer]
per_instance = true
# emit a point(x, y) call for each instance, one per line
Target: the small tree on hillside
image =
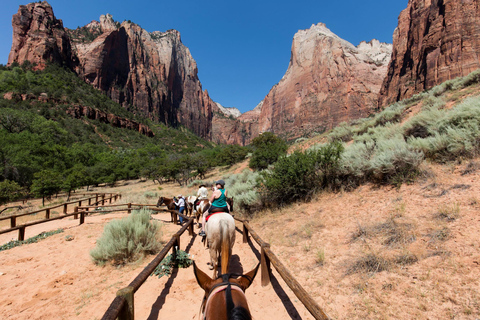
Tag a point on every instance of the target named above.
point(267, 149)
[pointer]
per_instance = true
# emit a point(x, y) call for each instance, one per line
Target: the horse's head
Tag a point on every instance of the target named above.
point(221, 293)
point(160, 201)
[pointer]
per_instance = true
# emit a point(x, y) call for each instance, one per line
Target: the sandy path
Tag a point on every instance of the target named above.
point(56, 279)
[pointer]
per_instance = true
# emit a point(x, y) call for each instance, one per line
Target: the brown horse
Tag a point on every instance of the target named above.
point(169, 202)
point(225, 297)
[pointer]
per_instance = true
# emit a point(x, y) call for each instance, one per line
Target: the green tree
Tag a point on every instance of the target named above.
point(46, 183)
point(9, 191)
point(267, 149)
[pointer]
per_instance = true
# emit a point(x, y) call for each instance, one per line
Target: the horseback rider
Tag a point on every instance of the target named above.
point(202, 194)
point(218, 202)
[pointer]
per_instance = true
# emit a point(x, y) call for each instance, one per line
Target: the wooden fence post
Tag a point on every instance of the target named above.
point(47, 214)
point(129, 208)
point(13, 222)
point(21, 234)
point(96, 199)
point(265, 262)
point(75, 210)
point(82, 217)
point(89, 201)
point(103, 199)
point(127, 312)
point(190, 228)
point(65, 208)
point(111, 196)
point(245, 232)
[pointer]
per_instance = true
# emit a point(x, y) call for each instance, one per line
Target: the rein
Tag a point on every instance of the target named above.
point(226, 286)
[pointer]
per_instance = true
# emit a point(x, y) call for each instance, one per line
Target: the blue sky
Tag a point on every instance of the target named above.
point(242, 48)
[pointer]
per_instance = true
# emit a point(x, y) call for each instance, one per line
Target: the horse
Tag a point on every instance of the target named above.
point(169, 202)
point(231, 305)
point(190, 204)
point(201, 208)
point(220, 239)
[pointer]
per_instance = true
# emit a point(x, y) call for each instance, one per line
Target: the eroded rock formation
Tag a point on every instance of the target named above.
point(79, 112)
point(436, 40)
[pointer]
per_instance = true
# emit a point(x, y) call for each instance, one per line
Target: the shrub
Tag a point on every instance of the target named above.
point(125, 240)
point(394, 159)
point(299, 175)
point(267, 149)
point(242, 187)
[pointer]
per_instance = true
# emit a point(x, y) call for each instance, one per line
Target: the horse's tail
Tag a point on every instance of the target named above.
point(225, 254)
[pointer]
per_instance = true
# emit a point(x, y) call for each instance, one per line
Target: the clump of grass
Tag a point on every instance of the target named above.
point(361, 232)
point(440, 235)
point(397, 234)
point(320, 257)
point(448, 212)
point(406, 258)
point(127, 239)
point(369, 263)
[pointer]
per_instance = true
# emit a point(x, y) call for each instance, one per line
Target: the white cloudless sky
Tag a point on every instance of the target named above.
point(242, 48)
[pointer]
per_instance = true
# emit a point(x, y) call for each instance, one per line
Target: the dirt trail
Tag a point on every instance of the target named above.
point(56, 279)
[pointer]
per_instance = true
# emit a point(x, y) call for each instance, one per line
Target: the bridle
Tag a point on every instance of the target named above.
point(226, 286)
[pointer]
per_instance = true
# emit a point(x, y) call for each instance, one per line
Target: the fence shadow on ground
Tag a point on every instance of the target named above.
point(158, 304)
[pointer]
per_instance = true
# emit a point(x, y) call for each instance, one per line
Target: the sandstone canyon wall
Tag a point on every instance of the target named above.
point(436, 40)
point(328, 81)
point(151, 73)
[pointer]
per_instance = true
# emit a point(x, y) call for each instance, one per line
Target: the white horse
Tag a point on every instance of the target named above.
point(220, 231)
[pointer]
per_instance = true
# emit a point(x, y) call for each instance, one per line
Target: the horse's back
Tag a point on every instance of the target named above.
point(216, 220)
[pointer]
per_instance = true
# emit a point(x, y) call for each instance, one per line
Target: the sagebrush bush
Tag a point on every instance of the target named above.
point(394, 158)
point(127, 239)
point(242, 187)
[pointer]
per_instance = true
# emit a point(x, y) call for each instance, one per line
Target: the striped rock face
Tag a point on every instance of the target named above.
point(435, 41)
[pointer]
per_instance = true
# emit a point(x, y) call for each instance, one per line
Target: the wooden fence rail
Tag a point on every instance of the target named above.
point(75, 214)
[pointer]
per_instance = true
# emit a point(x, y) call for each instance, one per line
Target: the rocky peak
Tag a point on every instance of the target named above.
point(228, 111)
point(39, 37)
point(107, 24)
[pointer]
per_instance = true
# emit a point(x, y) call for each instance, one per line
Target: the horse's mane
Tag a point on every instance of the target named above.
point(240, 313)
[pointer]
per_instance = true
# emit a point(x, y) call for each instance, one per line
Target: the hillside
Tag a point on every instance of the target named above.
point(61, 133)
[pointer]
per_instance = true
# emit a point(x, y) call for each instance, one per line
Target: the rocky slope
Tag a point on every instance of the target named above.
point(436, 40)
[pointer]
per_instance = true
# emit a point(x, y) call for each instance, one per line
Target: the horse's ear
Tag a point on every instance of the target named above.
point(204, 281)
point(246, 280)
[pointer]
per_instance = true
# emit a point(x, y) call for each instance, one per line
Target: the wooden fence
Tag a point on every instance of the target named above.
point(99, 200)
point(122, 307)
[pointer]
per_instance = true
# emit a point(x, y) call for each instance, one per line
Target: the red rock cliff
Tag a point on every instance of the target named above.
point(436, 40)
point(39, 37)
point(328, 81)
